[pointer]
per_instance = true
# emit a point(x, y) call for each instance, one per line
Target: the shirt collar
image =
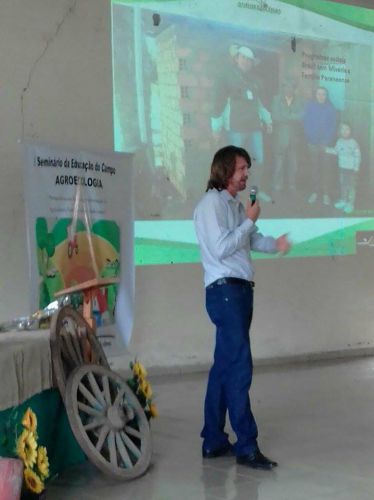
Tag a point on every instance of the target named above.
point(229, 197)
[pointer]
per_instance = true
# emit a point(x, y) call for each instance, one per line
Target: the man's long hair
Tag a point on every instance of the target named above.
point(223, 166)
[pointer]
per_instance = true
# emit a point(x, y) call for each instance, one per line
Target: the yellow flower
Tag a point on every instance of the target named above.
point(139, 370)
point(33, 481)
point(146, 389)
point(153, 410)
point(26, 448)
point(42, 461)
point(29, 420)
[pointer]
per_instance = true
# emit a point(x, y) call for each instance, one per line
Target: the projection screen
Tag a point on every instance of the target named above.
point(179, 70)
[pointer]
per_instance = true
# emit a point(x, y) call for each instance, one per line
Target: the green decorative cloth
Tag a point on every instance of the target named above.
point(53, 430)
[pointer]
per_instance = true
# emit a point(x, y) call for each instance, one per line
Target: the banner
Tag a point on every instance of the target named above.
point(79, 220)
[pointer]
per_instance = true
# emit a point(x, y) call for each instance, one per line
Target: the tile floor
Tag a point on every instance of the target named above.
point(316, 419)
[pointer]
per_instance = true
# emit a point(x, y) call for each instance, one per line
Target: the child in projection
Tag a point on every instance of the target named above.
point(349, 159)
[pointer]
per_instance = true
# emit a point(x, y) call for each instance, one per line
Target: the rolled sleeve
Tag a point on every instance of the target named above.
point(261, 243)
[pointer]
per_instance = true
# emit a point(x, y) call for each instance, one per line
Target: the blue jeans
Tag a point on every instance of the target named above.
point(252, 141)
point(321, 169)
point(348, 185)
point(230, 308)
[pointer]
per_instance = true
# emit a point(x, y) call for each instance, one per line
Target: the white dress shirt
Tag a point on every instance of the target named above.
point(226, 236)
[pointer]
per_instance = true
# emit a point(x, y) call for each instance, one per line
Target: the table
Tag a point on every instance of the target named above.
point(26, 381)
point(25, 366)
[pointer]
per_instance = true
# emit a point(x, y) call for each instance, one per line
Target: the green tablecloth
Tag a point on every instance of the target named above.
point(53, 429)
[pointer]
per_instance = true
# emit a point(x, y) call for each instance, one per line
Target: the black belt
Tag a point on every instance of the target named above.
point(231, 281)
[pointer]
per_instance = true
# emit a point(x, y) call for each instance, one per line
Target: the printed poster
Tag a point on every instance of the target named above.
point(80, 227)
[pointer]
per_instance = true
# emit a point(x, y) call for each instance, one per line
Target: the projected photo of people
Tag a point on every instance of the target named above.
point(184, 87)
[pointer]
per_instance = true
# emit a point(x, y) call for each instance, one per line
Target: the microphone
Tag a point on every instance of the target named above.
point(253, 194)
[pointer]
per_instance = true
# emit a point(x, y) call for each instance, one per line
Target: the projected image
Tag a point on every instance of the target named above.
point(185, 87)
point(189, 79)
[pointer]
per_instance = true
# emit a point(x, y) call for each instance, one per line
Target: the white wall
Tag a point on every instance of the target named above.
point(55, 87)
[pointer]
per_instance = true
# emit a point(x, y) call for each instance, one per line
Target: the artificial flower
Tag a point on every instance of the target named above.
point(42, 461)
point(153, 410)
point(29, 420)
point(33, 481)
point(26, 448)
point(139, 370)
point(146, 389)
point(142, 389)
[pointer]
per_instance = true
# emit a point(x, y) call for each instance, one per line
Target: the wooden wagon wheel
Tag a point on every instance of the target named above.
point(108, 422)
point(73, 343)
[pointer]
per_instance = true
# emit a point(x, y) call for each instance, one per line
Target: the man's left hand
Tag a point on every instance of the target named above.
point(283, 244)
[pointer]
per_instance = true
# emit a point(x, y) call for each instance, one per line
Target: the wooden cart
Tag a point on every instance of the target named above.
point(104, 413)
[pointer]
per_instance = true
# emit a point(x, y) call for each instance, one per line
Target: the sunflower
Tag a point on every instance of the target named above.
point(153, 411)
point(146, 389)
point(26, 448)
point(29, 420)
point(139, 370)
point(42, 461)
point(33, 481)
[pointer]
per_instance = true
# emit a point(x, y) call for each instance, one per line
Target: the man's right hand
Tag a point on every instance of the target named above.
point(253, 211)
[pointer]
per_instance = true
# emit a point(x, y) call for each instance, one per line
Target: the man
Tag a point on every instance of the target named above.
point(226, 232)
point(287, 112)
point(238, 109)
point(320, 125)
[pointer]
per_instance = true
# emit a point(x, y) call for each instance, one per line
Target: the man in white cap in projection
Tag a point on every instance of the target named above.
point(238, 109)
